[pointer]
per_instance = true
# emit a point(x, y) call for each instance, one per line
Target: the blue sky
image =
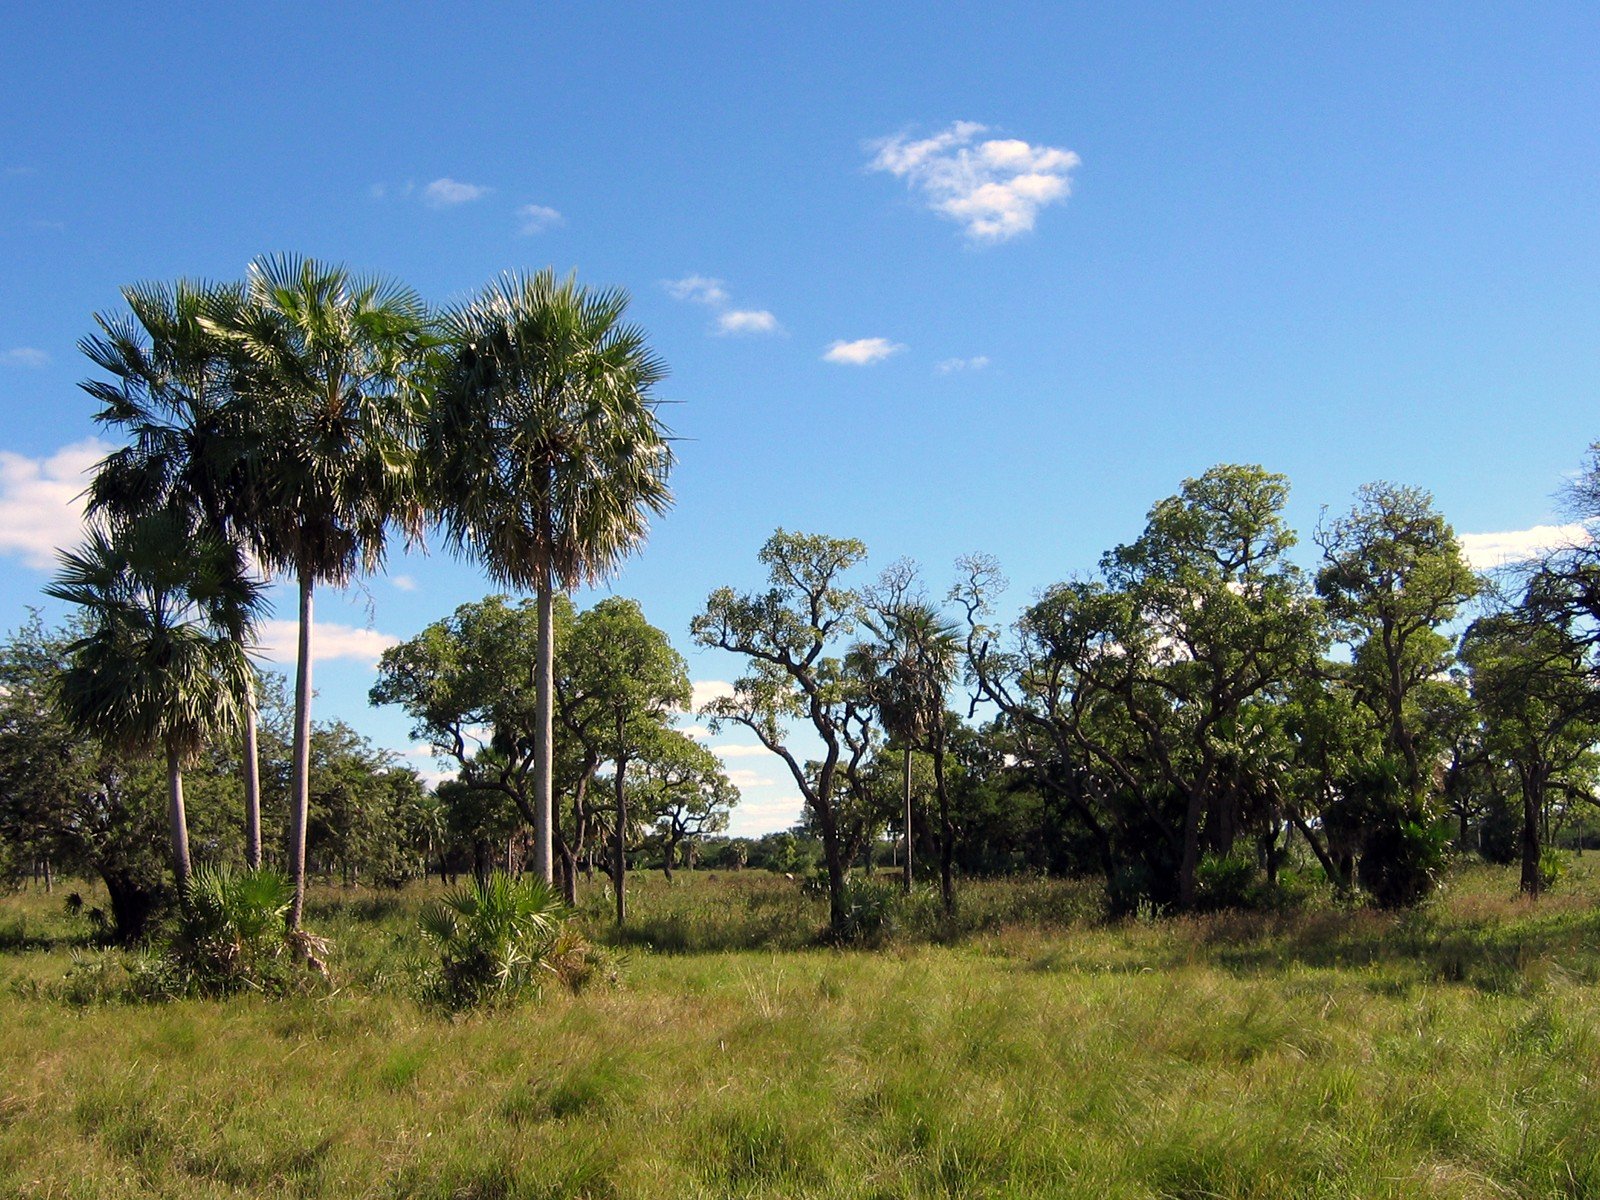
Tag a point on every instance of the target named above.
point(1344, 242)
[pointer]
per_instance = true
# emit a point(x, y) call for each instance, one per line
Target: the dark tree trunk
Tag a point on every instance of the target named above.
point(947, 835)
point(482, 861)
point(906, 763)
point(1190, 862)
point(569, 872)
point(668, 853)
point(1532, 810)
point(132, 906)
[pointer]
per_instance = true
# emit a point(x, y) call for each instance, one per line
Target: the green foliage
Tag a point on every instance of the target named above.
point(544, 451)
point(499, 940)
point(1227, 880)
point(1552, 868)
point(229, 934)
point(1404, 860)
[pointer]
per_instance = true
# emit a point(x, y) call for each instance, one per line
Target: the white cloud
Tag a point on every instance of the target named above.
point(24, 356)
point(279, 642)
point(713, 293)
point(862, 352)
point(703, 691)
point(536, 218)
point(747, 321)
point(752, 818)
point(746, 778)
point(698, 732)
point(698, 289)
point(447, 192)
point(404, 582)
point(738, 751)
point(1486, 551)
point(949, 365)
point(992, 188)
point(41, 500)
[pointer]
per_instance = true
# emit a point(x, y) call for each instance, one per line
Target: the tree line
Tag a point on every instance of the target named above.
point(1196, 715)
point(1191, 720)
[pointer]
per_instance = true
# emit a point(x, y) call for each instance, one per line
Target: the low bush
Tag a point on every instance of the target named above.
point(499, 940)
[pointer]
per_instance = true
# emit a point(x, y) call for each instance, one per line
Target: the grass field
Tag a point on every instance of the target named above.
point(1036, 1051)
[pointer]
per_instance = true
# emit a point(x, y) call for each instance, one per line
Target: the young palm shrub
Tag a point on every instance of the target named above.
point(231, 933)
point(498, 940)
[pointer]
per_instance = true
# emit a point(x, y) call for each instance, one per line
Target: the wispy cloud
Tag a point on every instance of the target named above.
point(950, 365)
point(41, 500)
point(754, 817)
point(447, 193)
point(747, 321)
point(697, 289)
point(536, 218)
point(713, 293)
point(862, 352)
point(738, 751)
point(405, 583)
point(1486, 551)
point(745, 778)
point(993, 188)
point(24, 356)
point(279, 642)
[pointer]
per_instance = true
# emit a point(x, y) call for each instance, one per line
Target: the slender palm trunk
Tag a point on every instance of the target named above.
point(252, 783)
point(300, 799)
point(544, 733)
point(908, 818)
point(622, 843)
point(947, 832)
point(178, 820)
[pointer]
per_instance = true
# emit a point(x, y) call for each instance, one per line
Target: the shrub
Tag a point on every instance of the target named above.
point(876, 910)
point(1226, 881)
point(1552, 866)
point(1403, 860)
point(230, 934)
point(500, 939)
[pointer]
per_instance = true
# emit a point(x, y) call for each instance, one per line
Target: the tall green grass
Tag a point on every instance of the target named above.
point(1033, 1050)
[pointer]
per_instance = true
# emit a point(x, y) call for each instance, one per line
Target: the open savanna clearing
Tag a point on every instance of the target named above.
point(1041, 1052)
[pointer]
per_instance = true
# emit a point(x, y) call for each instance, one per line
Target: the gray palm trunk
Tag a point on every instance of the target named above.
point(544, 733)
point(177, 819)
point(300, 800)
point(621, 849)
point(252, 783)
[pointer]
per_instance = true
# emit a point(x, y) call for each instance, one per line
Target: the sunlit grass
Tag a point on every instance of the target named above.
point(1453, 1052)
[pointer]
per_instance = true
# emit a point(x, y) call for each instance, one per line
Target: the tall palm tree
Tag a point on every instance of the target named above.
point(175, 392)
point(162, 666)
point(331, 358)
point(545, 454)
point(909, 670)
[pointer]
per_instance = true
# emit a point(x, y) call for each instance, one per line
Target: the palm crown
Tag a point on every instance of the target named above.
point(544, 446)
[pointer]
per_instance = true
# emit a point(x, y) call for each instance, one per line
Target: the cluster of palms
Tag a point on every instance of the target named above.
point(289, 426)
